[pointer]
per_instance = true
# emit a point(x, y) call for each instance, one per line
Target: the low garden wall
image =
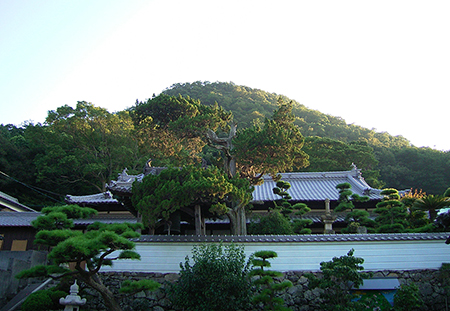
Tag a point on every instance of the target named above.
point(410, 258)
point(299, 252)
point(299, 297)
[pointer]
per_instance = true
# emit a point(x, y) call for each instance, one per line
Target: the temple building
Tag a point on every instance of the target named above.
point(316, 189)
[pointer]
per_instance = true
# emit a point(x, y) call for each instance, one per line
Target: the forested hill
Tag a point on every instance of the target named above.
point(400, 165)
point(248, 104)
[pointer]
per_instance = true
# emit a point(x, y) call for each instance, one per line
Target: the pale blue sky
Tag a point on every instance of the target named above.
point(379, 64)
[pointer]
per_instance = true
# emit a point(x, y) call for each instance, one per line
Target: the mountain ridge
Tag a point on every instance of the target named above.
point(399, 164)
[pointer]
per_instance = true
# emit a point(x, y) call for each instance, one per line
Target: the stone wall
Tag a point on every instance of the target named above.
point(298, 298)
point(11, 263)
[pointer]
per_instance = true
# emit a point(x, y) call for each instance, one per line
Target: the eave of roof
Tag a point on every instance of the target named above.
point(295, 238)
point(12, 203)
point(94, 199)
point(24, 219)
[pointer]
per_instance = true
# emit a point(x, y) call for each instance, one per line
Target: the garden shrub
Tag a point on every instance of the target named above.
point(339, 276)
point(265, 280)
point(47, 299)
point(218, 280)
point(372, 302)
point(271, 223)
point(407, 298)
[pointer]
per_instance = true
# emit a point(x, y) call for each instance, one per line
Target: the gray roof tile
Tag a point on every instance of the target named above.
point(24, 219)
point(295, 238)
point(99, 198)
point(316, 186)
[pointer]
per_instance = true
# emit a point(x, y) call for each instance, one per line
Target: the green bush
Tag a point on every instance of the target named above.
point(407, 298)
point(43, 300)
point(340, 275)
point(218, 280)
point(272, 223)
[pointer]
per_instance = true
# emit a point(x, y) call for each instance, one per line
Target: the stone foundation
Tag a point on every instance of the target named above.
point(298, 298)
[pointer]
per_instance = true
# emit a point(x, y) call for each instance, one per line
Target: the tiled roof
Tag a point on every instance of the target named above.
point(124, 182)
point(24, 219)
point(295, 238)
point(19, 219)
point(93, 199)
point(316, 186)
point(12, 203)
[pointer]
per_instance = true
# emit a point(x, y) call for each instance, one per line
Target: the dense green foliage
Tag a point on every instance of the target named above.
point(265, 280)
point(271, 147)
point(339, 276)
point(393, 160)
point(392, 213)
point(271, 223)
point(355, 217)
point(78, 149)
point(47, 299)
point(174, 127)
point(407, 298)
point(432, 204)
point(293, 213)
point(87, 252)
point(158, 196)
point(217, 280)
point(327, 155)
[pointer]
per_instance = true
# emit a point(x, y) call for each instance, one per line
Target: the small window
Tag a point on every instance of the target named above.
point(19, 245)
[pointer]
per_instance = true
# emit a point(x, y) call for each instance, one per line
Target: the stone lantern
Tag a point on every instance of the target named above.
point(328, 218)
point(72, 301)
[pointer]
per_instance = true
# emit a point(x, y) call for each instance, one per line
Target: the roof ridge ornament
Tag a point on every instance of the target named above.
point(356, 172)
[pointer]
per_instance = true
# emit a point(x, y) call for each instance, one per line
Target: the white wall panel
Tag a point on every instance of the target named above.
point(292, 256)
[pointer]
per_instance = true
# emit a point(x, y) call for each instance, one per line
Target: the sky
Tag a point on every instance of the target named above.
point(383, 65)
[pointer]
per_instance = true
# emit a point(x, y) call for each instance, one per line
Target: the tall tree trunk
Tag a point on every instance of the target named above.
point(232, 217)
point(198, 220)
point(96, 283)
point(243, 221)
point(238, 221)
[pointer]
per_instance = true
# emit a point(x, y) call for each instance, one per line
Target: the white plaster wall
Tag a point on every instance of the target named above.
point(165, 257)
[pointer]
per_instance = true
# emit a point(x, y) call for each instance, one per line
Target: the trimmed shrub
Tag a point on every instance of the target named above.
point(272, 223)
point(47, 299)
point(218, 280)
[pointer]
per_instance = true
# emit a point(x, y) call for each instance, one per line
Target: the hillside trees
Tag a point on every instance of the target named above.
point(412, 167)
point(16, 161)
point(86, 145)
point(328, 155)
point(87, 252)
point(401, 165)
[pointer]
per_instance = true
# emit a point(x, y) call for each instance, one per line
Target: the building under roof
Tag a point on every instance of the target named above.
point(316, 186)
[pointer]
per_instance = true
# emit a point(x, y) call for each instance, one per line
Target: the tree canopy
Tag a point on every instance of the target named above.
point(190, 189)
point(78, 149)
point(272, 147)
point(88, 252)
